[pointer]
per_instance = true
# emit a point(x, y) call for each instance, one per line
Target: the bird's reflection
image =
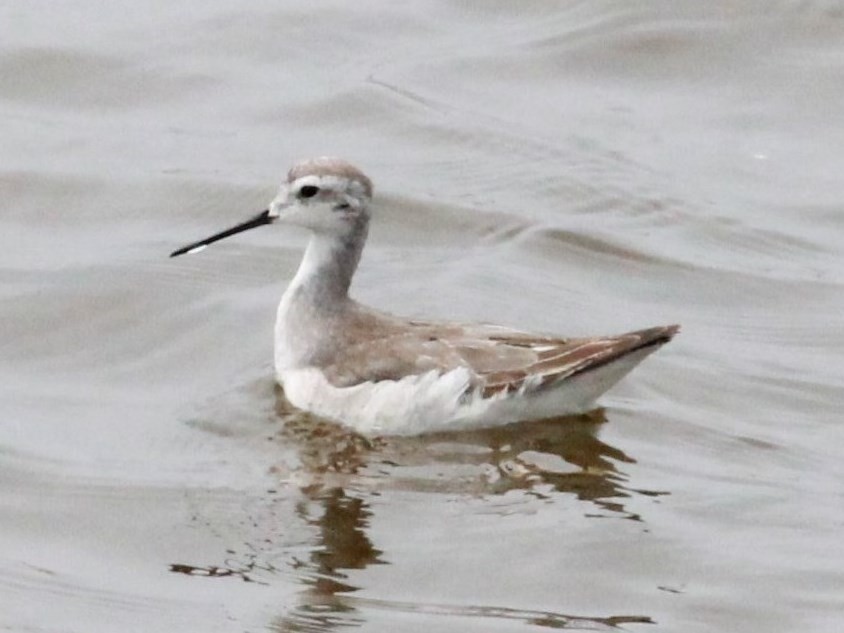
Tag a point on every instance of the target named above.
point(562, 455)
point(344, 470)
point(342, 545)
point(343, 540)
point(315, 524)
point(328, 601)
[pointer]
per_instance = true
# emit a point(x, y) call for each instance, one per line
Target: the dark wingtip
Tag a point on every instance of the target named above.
point(658, 335)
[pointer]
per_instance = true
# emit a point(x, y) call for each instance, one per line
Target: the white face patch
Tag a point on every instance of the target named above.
point(321, 202)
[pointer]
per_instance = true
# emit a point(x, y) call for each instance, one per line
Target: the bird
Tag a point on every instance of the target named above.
point(381, 374)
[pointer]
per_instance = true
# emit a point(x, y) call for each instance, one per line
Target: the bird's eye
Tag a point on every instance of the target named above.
point(308, 191)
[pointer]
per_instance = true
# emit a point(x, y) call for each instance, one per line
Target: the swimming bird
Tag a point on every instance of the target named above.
point(382, 374)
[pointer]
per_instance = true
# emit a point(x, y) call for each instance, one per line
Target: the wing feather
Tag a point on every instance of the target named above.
point(573, 356)
point(499, 359)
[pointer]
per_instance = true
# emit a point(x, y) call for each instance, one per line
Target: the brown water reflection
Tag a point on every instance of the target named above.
point(339, 473)
point(562, 454)
point(328, 603)
point(338, 479)
point(515, 453)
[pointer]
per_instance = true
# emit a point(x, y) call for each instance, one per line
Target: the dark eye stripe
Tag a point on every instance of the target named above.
point(308, 191)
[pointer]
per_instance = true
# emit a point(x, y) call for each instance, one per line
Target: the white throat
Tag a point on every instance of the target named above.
point(327, 268)
point(316, 298)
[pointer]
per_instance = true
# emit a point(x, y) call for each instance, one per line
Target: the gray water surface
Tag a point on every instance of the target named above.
point(570, 167)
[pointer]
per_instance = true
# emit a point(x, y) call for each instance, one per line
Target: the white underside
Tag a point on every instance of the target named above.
point(436, 402)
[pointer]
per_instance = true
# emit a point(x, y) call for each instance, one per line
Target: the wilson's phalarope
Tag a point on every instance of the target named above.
point(383, 374)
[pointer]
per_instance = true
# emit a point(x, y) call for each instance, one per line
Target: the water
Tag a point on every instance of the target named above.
point(570, 167)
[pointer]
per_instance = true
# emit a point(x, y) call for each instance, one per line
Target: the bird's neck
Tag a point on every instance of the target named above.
point(311, 310)
point(325, 274)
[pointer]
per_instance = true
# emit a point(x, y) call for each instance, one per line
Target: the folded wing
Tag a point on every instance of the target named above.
point(500, 360)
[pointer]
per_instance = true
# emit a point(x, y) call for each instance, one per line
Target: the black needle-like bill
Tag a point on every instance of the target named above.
point(259, 220)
